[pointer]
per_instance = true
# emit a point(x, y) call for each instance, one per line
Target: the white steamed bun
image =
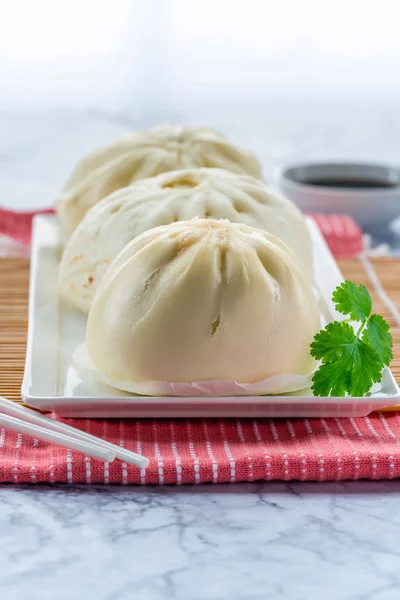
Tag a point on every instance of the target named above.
point(202, 300)
point(170, 197)
point(143, 154)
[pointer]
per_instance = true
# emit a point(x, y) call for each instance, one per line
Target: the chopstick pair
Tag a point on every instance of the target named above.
point(24, 420)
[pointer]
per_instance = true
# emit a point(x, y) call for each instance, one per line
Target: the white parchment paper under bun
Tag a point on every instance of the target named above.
point(200, 301)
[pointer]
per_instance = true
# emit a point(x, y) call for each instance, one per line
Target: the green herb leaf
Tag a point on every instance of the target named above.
point(351, 362)
point(353, 300)
point(349, 365)
point(332, 342)
point(330, 380)
point(377, 335)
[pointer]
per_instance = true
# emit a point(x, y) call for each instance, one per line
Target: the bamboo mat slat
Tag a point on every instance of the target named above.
point(388, 271)
point(14, 284)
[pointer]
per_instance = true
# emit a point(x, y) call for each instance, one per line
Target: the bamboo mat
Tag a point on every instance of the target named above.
point(14, 283)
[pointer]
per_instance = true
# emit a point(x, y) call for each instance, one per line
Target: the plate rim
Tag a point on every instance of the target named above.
point(40, 222)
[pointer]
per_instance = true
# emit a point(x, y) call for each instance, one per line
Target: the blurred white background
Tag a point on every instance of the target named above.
point(292, 80)
point(130, 54)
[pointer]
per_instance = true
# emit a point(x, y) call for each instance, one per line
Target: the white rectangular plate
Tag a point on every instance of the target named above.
point(51, 382)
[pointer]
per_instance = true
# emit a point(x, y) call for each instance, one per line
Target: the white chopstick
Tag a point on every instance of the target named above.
point(56, 438)
point(86, 440)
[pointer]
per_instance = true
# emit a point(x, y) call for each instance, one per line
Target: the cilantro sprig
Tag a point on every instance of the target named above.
point(351, 362)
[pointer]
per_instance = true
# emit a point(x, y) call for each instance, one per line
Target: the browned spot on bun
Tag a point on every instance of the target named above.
point(89, 282)
point(76, 258)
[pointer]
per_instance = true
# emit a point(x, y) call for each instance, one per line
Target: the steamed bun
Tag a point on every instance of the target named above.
point(164, 199)
point(144, 154)
point(202, 300)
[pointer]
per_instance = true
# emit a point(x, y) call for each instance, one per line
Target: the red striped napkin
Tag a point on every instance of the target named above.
point(16, 229)
point(341, 232)
point(216, 451)
point(209, 450)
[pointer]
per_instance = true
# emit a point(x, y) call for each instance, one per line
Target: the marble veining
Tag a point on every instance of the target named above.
point(262, 541)
point(295, 541)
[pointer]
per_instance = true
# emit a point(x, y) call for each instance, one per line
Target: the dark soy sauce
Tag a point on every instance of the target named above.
point(351, 183)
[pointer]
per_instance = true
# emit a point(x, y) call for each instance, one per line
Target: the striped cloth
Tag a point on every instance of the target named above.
point(341, 232)
point(15, 231)
point(210, 450)
point(216, 451)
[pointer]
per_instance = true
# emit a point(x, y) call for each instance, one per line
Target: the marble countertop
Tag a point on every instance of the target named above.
point(242, 542)
point(337, 541)
point(39, 149)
